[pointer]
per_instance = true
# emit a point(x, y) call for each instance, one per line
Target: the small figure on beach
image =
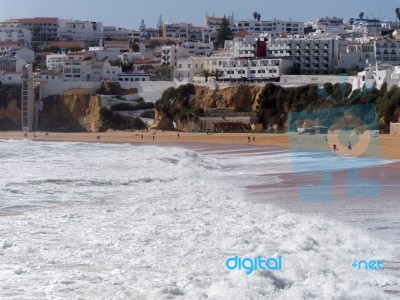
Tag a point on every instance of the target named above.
point(153, 137)
point(349, 147)
point(25, 135)
point(46, 134)
point(248, 139)
point(142, 136)
point(178, 135)
point(326, 138)
point(98, 137)
point(335, 148)
point(254, 138)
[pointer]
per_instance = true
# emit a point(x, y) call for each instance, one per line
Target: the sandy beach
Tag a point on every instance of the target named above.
point(388, 145)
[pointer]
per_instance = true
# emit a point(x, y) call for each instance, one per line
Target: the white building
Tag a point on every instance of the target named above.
point(134, 76)
point(355, 54)
point(368, 26)
point(274, 26)
point(10, 77)
point(170, 54)
point(21, 36)
point(69, 29)
point(387, 51)
point(55, 62)
point(198, 48)
point(118, 33)
point(187, 68)
point(14, 57)
point(307, 53)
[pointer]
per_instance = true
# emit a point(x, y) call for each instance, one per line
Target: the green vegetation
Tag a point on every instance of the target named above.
point(149, 114)
point(177, 104)
point(276, 102)
point(224, 33)
point(308, 29)
point(9, 92)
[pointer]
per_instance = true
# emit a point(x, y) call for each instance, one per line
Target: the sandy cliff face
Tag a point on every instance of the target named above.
point(242, 98)
point(75, 110)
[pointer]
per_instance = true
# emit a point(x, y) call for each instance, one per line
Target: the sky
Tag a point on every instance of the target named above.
point(128, 13)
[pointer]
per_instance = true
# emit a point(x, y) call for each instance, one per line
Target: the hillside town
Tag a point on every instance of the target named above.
point(52, 55)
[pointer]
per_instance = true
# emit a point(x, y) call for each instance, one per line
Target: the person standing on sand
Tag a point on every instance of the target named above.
point(248, 139)
point(349, 147)
point(335, 148)
point(153, 137)
point(254, 138)
point(178, 135)
point(142, 136)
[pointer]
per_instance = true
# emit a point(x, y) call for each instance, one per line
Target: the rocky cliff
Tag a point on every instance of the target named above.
point(242, 98)
point(10, 116)
point(74, 110)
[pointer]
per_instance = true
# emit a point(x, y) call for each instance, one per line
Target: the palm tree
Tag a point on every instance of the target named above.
point(361, 15)
point(255, 15)
point(217, 74)
point(258, 17)
point(206, 74)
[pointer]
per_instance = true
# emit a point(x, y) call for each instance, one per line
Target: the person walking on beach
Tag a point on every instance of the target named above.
point(254, 138)
point(349, 147)
point(142, 136)
point(248, 139)
point(178, 135)
point(335, 148)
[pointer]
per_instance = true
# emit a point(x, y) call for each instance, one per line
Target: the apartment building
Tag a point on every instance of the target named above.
point(13, 33)
point(368, 26)
point(69, 29)
point(198, 48)
point(14, 57)
point(55, 62)
point(355, 54)
point(83, 66)
point(187, 68)
point(253, 70)
point(387, 50)
point(170, 54)
point(42, 29)
point(275, 26)
point(118, 33)
point(316, 53)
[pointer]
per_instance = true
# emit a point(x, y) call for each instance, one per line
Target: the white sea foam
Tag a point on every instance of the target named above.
point(126, 222)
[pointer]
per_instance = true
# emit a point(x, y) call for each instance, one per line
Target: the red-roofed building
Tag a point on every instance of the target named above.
point(67, 45)
point(120, 46)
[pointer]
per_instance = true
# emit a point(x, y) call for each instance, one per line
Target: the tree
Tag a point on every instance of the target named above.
point(206, 74)
point(397, 10)
point(256, 16)
point(142, 26)
point(361, 15)
point(160, 25)
point(224, 32)
point(217, 74)
point(134, 47)
point(351, 21)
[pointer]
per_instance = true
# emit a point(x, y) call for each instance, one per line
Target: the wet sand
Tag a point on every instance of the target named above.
point(387, 146)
